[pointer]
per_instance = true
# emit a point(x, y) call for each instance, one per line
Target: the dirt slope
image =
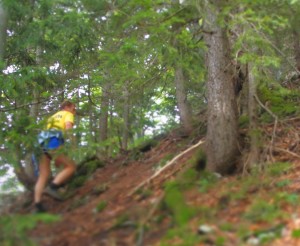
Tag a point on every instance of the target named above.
point(124, 214)
point(83, 225)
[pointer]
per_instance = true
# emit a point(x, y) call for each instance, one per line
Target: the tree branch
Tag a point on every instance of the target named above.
point(287, 151)
point(275, 124)
point(165, 167)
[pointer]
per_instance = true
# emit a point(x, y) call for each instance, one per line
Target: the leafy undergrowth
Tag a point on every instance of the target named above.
point(180, 206)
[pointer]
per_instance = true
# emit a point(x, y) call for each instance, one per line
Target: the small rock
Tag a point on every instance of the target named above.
point(99, 189)
point(205, 229)
point(253, 241)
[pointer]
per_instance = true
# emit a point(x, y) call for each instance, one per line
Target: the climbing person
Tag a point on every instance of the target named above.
point(51, 141)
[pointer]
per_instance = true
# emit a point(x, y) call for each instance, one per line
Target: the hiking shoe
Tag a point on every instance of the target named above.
point(39, 208)
point(53, 193)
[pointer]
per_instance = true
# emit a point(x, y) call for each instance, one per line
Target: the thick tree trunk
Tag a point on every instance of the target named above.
point(3, 26)
point(182, 102)
point(222, 129)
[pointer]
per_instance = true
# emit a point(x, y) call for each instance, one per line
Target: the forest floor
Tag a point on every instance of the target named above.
point(115, 206)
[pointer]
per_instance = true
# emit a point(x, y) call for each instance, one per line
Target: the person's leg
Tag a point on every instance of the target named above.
point(44, 168)
point(69, 167)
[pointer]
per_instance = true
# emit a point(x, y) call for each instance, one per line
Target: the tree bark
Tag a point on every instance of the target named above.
point(182, 102)
point(126, 123)
point(3, 27)
point(33, 113)
point(252, 112)
point(297, 48)
point(222, 129)
point(103, 118)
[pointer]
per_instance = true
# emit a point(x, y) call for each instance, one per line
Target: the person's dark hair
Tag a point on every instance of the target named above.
point(66, 104)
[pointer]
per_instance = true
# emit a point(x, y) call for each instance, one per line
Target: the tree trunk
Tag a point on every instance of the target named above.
point(182, 102)
point(242, 97)
point(92, 129)
point(92, 117)
point(3, 27)
point(103, 118)
point(111, 147)
point(222, 129)
point(252, 111)
point(126, 124)
point(33, 113)
point(297, 49)
point(23, 170)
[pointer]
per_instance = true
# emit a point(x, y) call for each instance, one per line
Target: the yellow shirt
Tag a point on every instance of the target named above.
point(59, 119)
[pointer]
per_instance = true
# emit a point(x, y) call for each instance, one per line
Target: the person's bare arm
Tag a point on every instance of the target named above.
point(69, 125)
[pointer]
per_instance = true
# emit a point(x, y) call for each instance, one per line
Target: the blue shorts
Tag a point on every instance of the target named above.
point(50, 139)
point(53, 143)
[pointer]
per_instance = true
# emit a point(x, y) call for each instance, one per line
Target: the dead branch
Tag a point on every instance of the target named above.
point(275, 124)
point(287, 151)
point(165, 167)
point(140, 231)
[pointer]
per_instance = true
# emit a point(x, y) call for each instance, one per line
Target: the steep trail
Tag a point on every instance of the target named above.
point(83, 225)
point(130, 218)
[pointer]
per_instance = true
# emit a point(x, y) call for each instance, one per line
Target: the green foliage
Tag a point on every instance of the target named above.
point(10, 184)
point(164, 161)
point(77, 182)
point(121, 220)
point(277, 168)
point(266, 236)
point(84, 171)
point(243, 121)
point(175, 203)
point(187, 179)
point(266, 208)
point(87, 44)
point(258, 180)
point(198, 160)
point(145, 144)
point(101, 206)
point(296, 233)
point(283, 183)
point(263, 211)
point(181, 236)
point(99, 7)
point(206, 181)
point(144, 193)
point(206, 213)
point(79, 202)
point(281, 101)
point(13, 228)
point(283, 198)
point(100, 188)
point(248, 184)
